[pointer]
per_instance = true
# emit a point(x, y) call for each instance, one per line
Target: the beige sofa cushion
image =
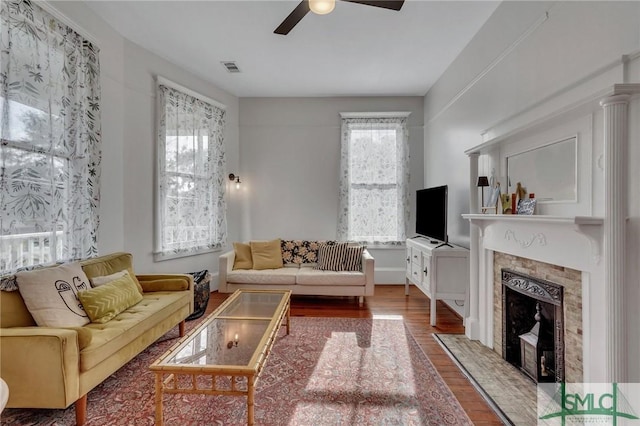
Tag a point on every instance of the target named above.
point(264, 276)
point(310, 276)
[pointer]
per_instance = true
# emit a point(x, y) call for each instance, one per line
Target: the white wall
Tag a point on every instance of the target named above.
point(290, 159)
point(521, 67)
point(128, 126)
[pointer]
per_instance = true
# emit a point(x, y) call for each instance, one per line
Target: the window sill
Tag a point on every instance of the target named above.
point(161, 257)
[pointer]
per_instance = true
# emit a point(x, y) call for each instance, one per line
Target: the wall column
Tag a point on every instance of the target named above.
point(615, 195)
point(473, 297)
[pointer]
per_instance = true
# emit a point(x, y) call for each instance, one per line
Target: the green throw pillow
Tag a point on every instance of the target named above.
point(103, 303)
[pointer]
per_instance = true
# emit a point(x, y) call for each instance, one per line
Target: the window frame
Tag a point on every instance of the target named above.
point(345, 230)
point(162, 253)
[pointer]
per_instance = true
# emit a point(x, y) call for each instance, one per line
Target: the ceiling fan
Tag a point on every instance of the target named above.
point(322, 7)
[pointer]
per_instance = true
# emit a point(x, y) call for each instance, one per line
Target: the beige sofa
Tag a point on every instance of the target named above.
point(300, 279)
point(56, 367)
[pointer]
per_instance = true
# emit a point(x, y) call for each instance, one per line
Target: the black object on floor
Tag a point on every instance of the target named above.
point(201, 293)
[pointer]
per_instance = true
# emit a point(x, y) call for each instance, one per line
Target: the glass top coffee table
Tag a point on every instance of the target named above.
point(226, 353)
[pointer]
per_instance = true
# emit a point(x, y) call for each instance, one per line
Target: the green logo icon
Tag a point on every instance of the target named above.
point(567, 404)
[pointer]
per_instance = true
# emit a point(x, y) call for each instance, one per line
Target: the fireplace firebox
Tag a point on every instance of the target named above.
point(533, 326)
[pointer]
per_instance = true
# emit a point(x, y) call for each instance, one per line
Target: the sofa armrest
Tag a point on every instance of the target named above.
point(225, 265)
point(368, 267)
point(41, 366)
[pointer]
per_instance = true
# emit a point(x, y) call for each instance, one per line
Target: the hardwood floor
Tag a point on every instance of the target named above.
point(390, 300)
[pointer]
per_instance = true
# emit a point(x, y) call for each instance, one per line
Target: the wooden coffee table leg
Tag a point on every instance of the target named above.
point(288, 318)
point(159, 420)
point(250, 391)
point(181, 328)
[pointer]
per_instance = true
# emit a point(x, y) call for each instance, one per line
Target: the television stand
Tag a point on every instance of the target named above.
point(441, 274)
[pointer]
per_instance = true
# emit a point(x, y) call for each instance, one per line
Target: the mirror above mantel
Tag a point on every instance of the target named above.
point(549, 171)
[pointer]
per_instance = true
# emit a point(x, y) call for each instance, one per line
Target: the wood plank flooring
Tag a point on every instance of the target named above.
point(390, 300)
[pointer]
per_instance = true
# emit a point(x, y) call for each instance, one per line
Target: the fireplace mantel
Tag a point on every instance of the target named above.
point(534, 236)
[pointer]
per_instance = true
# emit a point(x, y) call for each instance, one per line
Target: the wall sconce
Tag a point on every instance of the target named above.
point(483, 182)
point(235, 178)
point(233, 342)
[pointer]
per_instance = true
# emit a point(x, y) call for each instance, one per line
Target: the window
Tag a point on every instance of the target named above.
point(50, 140)
point(374, 177)
point(191, 210)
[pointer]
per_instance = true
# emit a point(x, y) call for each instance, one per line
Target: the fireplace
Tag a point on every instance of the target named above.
point(533, 326)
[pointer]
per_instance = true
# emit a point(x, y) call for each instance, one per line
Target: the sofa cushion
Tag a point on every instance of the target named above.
point(103, 303)
point(299, 251)
point(266, 254)
point(310, 276)
point(110, 264)
point(353, 258)
point(51, 295)
point(242, 258)
point(331, 256)
point(109, 338)
point(102, 280)
point(266, 276)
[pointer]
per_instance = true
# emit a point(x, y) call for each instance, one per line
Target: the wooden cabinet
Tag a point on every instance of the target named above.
point(439, 272)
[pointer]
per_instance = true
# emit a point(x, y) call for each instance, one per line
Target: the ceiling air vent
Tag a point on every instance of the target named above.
point(230, 66)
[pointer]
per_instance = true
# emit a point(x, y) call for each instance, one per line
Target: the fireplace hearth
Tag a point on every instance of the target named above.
point(533, 326)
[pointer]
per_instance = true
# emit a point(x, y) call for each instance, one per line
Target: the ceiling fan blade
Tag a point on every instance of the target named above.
point(385, 4)
point(294, 17)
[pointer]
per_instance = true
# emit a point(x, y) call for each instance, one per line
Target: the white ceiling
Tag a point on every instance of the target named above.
point(355, 50)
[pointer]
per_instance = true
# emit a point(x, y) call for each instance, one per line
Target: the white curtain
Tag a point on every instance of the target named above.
point(374, 178)
point(50, 140)
point(191, 179)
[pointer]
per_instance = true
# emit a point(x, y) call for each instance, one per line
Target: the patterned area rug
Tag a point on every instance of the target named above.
point(328, 371)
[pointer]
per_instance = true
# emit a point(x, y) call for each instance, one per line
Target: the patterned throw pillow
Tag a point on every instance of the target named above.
point(51, 295)
point(331, 256)
point(353, 258)
point(300, 251)
point(103, 303)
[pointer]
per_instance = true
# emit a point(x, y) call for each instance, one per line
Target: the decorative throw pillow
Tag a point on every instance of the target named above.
point(331, 256)
point(299, 251)
point(105, 302)
point(243, 256)
point(98, 281)
point(266, 254)
point(353, 258)
point(51, 295)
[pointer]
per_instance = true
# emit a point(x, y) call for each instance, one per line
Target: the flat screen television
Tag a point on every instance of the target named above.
point(431, 213)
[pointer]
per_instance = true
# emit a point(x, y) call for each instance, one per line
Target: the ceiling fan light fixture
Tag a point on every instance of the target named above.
point(322, 7)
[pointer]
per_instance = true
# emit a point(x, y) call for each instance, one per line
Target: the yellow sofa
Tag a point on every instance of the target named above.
point(55, 367)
